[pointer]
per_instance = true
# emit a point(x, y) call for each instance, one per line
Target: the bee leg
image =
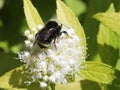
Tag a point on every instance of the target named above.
point(34, 43)
point(55, 42)
point(65, 33)
point(41, 46)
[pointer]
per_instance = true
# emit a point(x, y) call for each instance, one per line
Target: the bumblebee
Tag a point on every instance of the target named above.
point(49, 34)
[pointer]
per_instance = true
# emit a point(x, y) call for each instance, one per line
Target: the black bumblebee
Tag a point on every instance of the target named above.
point(49, 34)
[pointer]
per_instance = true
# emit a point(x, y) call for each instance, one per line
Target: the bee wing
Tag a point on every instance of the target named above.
point(40, 34)
point(49, 33)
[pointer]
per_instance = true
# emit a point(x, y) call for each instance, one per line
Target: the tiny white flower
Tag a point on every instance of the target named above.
point(27, 82)
point(39, 27)
point(41, 66)
point(71, 31)
point(64, 81)
point(34, 29)
point(42, 56)
point(45, 78)
point(27, 43)
point(30, 37)
point(59, 77)
point(27, 32)
point(66, 70)
point(26, 54)
point(51, 68)
point(52, 79)
point(39, 75)
point(76, 38)
point(43, 85)
point(52, 65)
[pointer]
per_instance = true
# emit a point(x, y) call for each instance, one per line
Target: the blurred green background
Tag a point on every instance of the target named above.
point(13, 24)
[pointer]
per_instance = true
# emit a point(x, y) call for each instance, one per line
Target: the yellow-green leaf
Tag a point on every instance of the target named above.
point(67, 17)
point(17, 89)
point(12, 79)
point(2, 2)
point(99, 72)
point(107, 37)
point(15, 80)
point(32, 16)
point(4, 46)
point(77, 6)
point(108, 40)
point(110, 19)
point(111, 8)
point(108, 44)
point(69, 86)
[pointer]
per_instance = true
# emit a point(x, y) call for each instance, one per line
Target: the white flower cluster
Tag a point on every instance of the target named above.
point(53, 65)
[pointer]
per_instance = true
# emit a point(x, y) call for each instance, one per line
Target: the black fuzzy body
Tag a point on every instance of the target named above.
point(49, 33)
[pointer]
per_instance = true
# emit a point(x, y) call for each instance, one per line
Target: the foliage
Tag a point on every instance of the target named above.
point(103, 63)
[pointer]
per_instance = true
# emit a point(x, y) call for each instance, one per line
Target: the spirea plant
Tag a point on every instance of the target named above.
point(60, 60)
point(60, 64)
point(54, 64)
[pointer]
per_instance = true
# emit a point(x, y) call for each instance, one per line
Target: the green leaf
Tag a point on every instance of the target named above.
point(70, 86)
point(108, 41)
point(105, 35)
point(12, 79)
point(4, 46)
point(99, 72)
point(111, 8)
point(91, 26)
point(110, 19)
point(15, 80)
point(67, 17)
point(16, 48)
point(77, 6)
point(16, 89)
point(1, 3)
point(32, 16)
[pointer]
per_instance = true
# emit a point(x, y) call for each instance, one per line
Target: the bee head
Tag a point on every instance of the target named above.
point(52, 24)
